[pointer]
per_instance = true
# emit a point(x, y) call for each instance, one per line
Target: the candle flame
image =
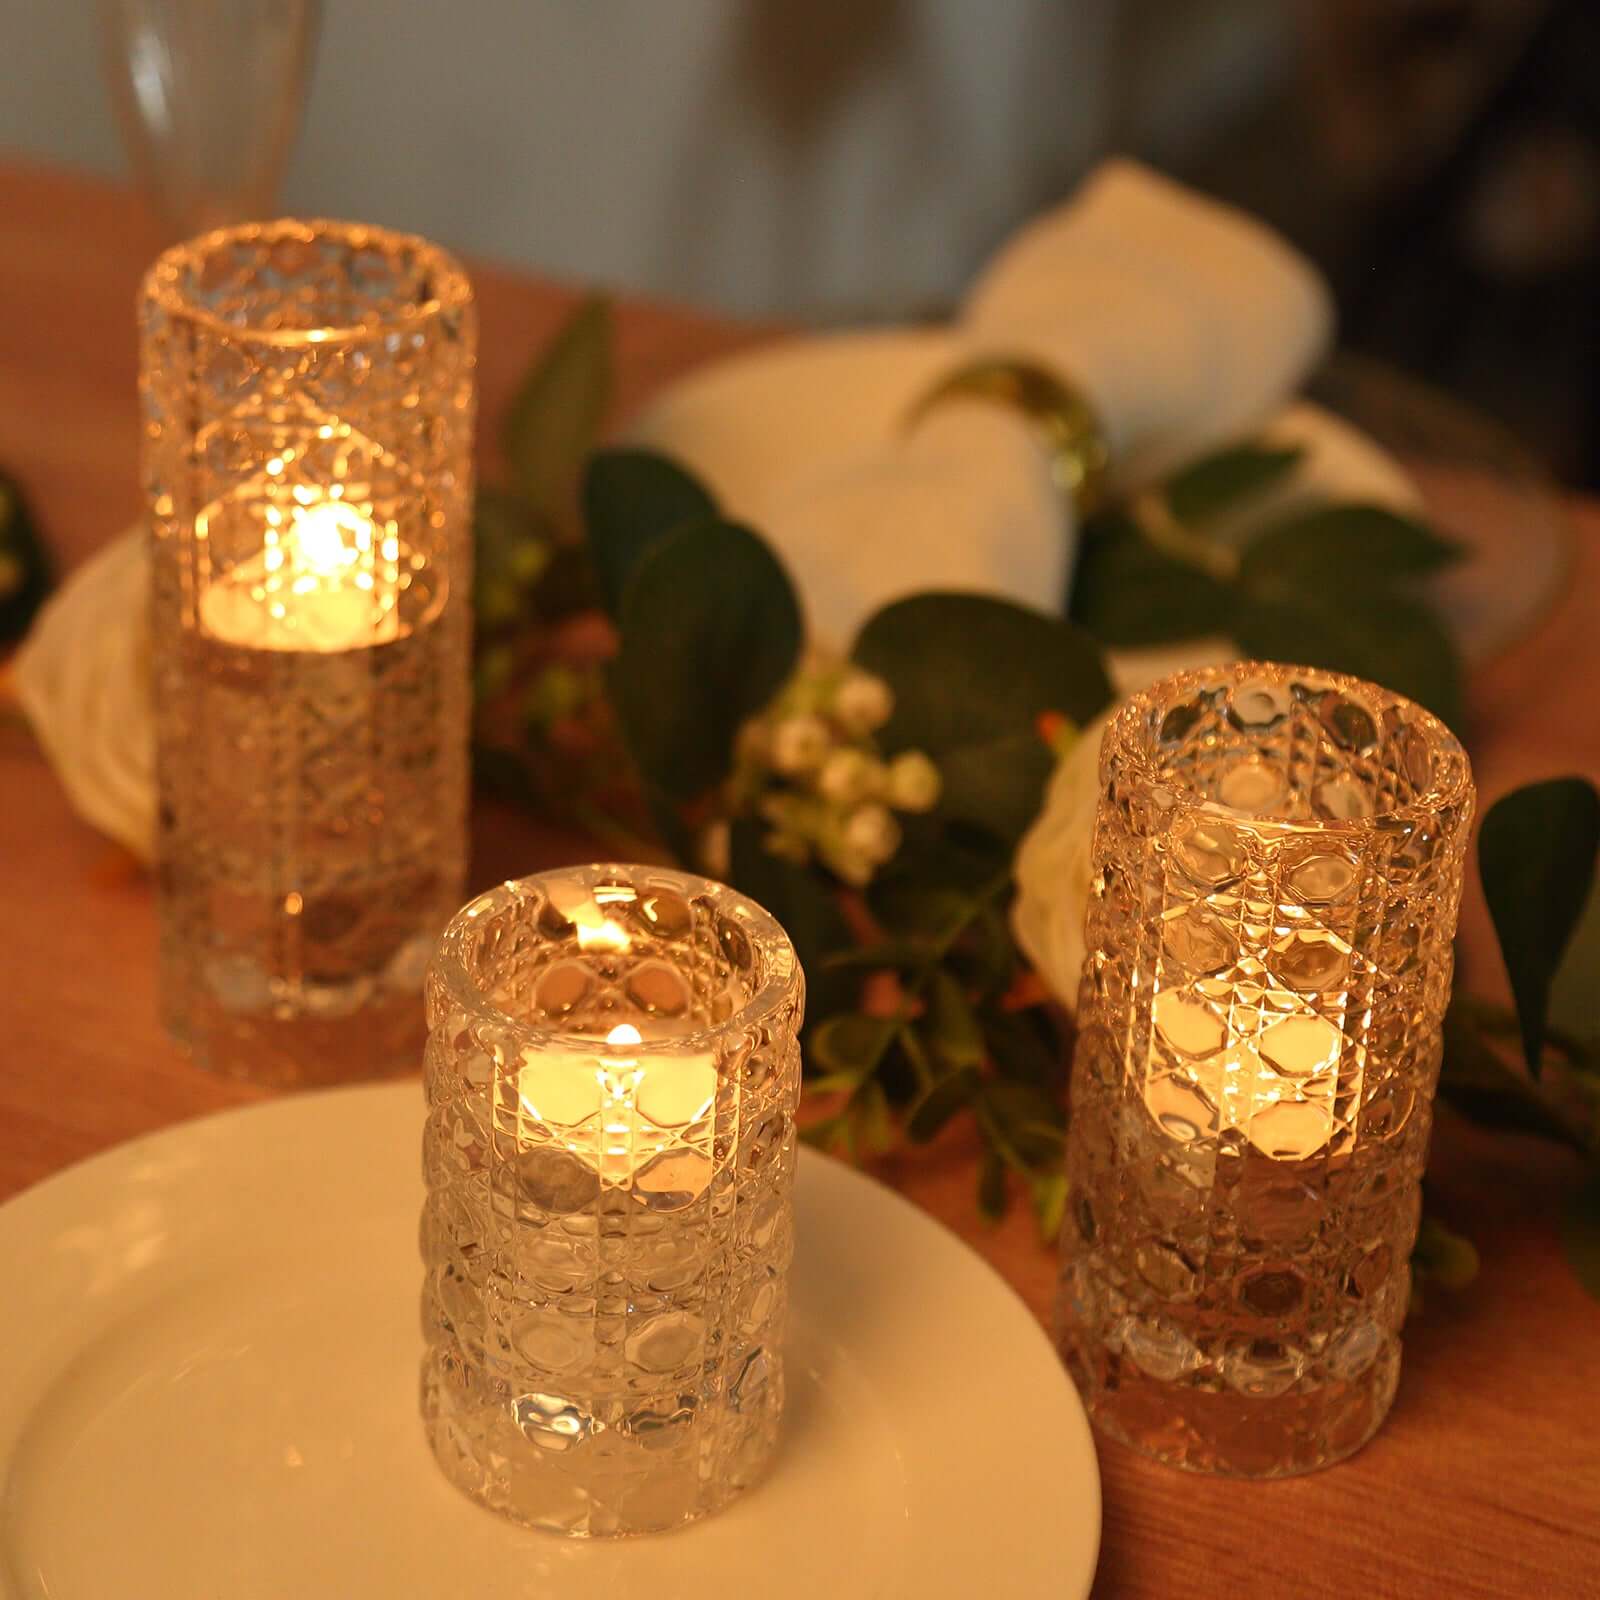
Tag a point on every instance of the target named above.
point(624, 1033)
point(601, 933)
point(320, 532)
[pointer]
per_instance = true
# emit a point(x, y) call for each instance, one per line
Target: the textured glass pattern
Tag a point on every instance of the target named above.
point(611, 1074)
point(308, 398)
point(1278, 859)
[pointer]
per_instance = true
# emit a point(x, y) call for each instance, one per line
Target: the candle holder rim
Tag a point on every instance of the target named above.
point(781, 973)
point(1124, 734)
point(451, 284)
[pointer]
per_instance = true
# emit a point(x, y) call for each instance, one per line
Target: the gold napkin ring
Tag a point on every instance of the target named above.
point(1068, 425)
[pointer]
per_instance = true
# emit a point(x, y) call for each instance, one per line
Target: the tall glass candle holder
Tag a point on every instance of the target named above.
point(611, 1077)
point(308, 405)
point(1278, 859)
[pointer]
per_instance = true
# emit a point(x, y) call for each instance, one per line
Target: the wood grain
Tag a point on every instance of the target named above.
point(1486, 1479)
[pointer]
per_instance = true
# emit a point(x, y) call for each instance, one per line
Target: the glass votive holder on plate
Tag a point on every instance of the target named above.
point(1278, 860)
point(611, 1074)
point(308, 397)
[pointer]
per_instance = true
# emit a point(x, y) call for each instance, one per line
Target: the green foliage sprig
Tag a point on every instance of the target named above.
point(626, 629)
point(709, 628)
point(1326, 585)
point(921, 1007)
point(1537, 852)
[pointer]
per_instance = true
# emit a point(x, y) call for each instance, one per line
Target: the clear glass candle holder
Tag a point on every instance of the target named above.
point(611, 1073)
point(1278, 860)
point(308, 405)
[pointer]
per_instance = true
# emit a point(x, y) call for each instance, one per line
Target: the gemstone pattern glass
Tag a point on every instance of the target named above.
point(611, 1073)
point(308, 397)
point(1278, 860)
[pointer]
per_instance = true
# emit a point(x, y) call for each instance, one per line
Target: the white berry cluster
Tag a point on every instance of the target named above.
point(810, 768)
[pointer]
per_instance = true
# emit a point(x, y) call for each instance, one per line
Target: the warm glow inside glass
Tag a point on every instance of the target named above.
point(1278, 859)
point(611, 1074)
point(308, 402)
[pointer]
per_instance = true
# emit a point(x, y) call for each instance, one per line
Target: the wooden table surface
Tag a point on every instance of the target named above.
point(1486, 1478)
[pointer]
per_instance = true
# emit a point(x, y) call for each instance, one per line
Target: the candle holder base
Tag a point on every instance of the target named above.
point(382, 1038)
point(640, 1458)
point(1245, 1408)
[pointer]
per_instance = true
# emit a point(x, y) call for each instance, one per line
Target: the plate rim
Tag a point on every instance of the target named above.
point(80, 1192)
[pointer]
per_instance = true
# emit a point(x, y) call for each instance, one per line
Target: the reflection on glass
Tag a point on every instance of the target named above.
point(209, 93)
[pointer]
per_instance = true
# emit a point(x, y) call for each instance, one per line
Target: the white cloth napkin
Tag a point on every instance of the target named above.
point(82, 678)
point(1185, 323)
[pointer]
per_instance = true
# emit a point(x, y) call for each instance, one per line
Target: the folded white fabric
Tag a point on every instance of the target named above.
point(82, 678)
point(1184, 323)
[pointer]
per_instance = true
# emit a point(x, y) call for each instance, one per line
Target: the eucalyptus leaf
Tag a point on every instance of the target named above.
point(1575, 990)
point(1486, 1090)
point(987, 959)
point(26, 571)
point(555, 417)
point(850, 1046)
point(1030, 1121)
point(1049, 1196)
point(919, 910)
point(1443, 1256)
point(1536, 856)
point(994, 1195)
point(1217, 483)
point(870, 1113)
point(1580, 1234)
point(950, 1023)
point(1349, 548)
point(833, 1083)
point(940, 853)
point(883, 955)
point(967, 668)
point(1024, 1046)
point(822, 1134)
point(941, 1101)
point(710, 629)
point(998, 784)
point(631, 498)
point(1387, 638)
point(808, 912)
point(1131, 595)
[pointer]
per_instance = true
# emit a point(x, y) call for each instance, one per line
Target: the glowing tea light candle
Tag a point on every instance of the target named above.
point(1278, 856)
point(313, 585)
point(643, 1102)
point(308, 468)
point(612, 1079)
point(1279, 1083)
point(674, 1093)
point(1249, 1003)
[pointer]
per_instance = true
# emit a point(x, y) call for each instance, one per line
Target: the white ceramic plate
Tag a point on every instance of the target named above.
point(208, 1364)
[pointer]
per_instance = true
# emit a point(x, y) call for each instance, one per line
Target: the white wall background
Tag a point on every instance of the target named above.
point(827, 158)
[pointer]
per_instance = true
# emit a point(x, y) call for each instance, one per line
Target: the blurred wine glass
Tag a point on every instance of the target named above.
point(210, 94)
